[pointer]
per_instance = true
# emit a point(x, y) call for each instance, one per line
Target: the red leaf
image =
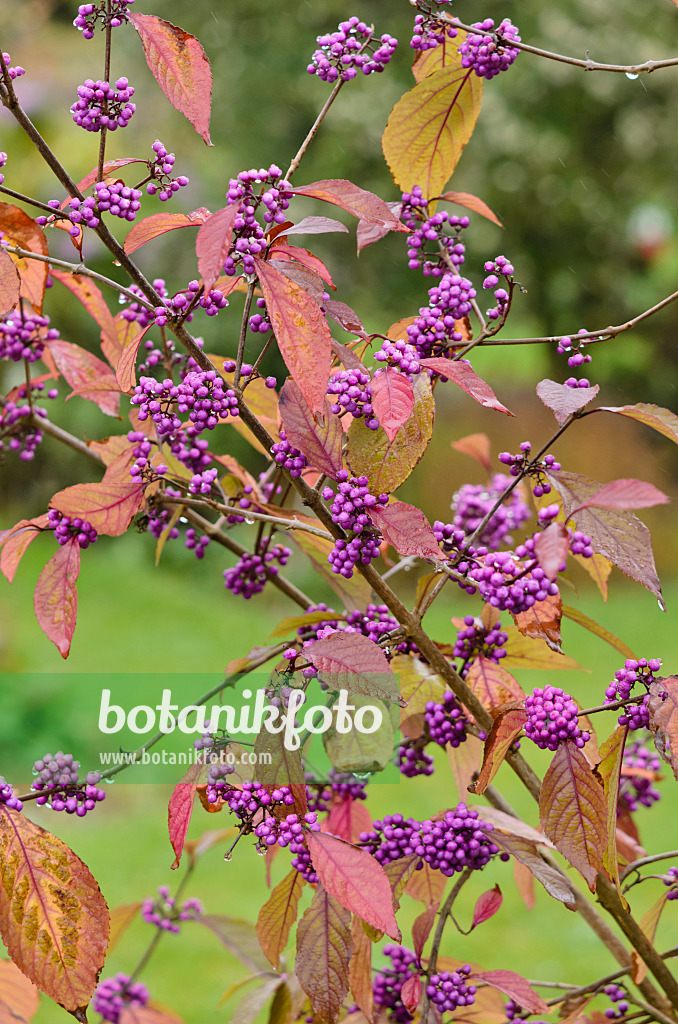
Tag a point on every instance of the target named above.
point(392, 400)
point(324, 948)
point(352, 662)
point(293, 254)
point(662, 420)
point(625, 494)
point(663, 709)
point(487, 906)
point(506, 726)
point(477, 446)
point(180, 810)
point(56, 596)
point(81, 369)
point(315, 226)
point(563, 400)
point(573, 811)
point(515, 987)
point(159, 224)
point(492, 684)
point(551, 547)
point(125, 372)
point(15, 542)
point(410, 993)
point(355, 879)
point(307, 280)
point(473, 203)
point(615, 533)
point(526, 851)
point(301, 331)
point(468, 380)
point(421, 928)
point(367, 207)
point(20, 230)
point(407, 529)
point(86, 291)
point(19, 998)
point(109, 167)
point(349, 320)
point(108, 506)
point(132, 1013)
point(180, 67)
point(360, 969)
point(542, 621)
point(10, 283)
point(278, 915)
point(348, 818)
point(318, 435)
point(213, 243)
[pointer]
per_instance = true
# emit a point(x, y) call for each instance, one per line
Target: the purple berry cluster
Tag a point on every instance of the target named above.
point(619, 998)
point(286, 832)
point(670, 879)
point(113, 995)
point(248, 235)
point(118, 199)
point(434, 331)
point(339, 786)
point(350, 510)
point(375, 622)
point(65, 529)
point(59, 785)
point(523, 463)
point(412, 759)
point(636, 788)
point(160, 170)
point(430, 247)
point(641, 671)
point(254, 800)
point(476, 640)
point(3, 161)
point(552, 719)
point(139, 312)
point(13, 72)
point(505, 583)
point(302, 862)
point(89, 14)
point(352, 48)
point(430, 31)
point(388, 984)
point(495, 269)
point(288, 457)
point(449, 989)
point(141, 469)
point(164, 913)
point(156, 399)
point(488, 51)
point(99, 105)
point(202, 395)
point(450, 844)
point(350, 391)
point(574, 349)
point(445, 722)
point(8, 797)
point(218, 786)
point(259, 322)
point(251, 573)
point(201, 483)
point(18, 430)
point(23, 335)
point(472, 502)
point(399, 354)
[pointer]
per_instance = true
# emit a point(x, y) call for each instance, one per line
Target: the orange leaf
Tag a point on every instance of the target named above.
point(609, 770)
point(159, 224)
point(180, 67)
point(542, 621)
point(213, 243)
point(578, 616)
point(473, 203)
point(477, 446)
point(56, 596)
point(301, 331)
point(19, 998)
point(88, 375)
point(10, 283)
point(492, 684)
point(53, 918)
point(278, 914)
point(20, 230)
point(15, 542)
point(86, 291)
point(121, 919)
point(125, 372)
point(392, 400)
point(109, 506)
point(506, 726)
point(360, 969)
point(324, 948)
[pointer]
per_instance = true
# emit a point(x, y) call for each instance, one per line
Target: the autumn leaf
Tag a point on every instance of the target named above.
point(654, 416)
point(91, 297)
point(459, 371)
point(10, 283)
point(492, 684)
point(477, 446)
point(472, 203)
point(594, 627)
point(120, 919)
point(526, 652)
point(376, 217)
point(387, 464)
point(180, 809)
point(355, 879)
point(53, 918)
point(158, 224)
point(301, 331)
point(324, 948)
point(15, 542)
point(358, 751)
point(132, 1013)
point(19, 998)
point(278, 765)
point(213, 243)
point(410, 993)
point(609, 772)
point(625, 494)
point(282, 253)
point(109, 167)
point(464, 762)
point(317, 435)
point(515, 987)
point(347, 818)
point(179, 66)
point(551, 547)
point(487, 905)
point(278, 915)
point(419, 683)
point(563, 400)
point(407, 529)
point(55, 599)
point(360, 969)
point(663, 711)
point(87, 375)
point(573, 812)
point(542, 621)
point(351, 661)
point(351, 322)
point(392, 399)
point(353, 593)
point(108, 506)
point(429, 127)
point(421, 928)
point(426, 885)
point(505, 728)
point(21, 231)
point(526, 851)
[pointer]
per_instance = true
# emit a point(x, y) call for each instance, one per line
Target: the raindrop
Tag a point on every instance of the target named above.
point(662, 606)
point(362, 775)
point(261, 850)
point(631, 76)
point(228, 855)
point(250, 522)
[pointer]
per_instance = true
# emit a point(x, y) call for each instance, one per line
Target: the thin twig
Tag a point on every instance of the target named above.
point(642, 861)
point(313, 130)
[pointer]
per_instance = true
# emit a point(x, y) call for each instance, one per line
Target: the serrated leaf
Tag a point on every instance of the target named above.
point(429, 127)
point(360, 969)
point(55, 599)
point(655, 416)
point(301, 331)
point(472, 203)
point(617, 534)
point(15, 542)
point(19, 998)
point(356, 751)
point(594, 627)
point(392, 400)
point(354, 593)
point(318, 435)
point(108, 506)
point(18, 229)
point(354, 878)
point(10, 283)
point(179, 66)
point(625, 494)
point(459, 371)
point(407, 529)
point(91, 297)
point(526, 851)
point(487, 905)
point(158, 224)
point(515, 987)
point(542, 621)
point(387, 464)
point(573, 812)
point(53, 918)
point(663, 711)
point(324, 948)
point(477, 446)
point(80, 369)
point(505, 728)
point(278, 915)
point(213, 243)
point(551, 547)
point(180, 809)
point(492, 684)
point(351, 661)
point(563, 400)
point(609, 770)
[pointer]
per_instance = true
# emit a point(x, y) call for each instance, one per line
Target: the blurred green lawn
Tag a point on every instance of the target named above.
point(136, 618)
